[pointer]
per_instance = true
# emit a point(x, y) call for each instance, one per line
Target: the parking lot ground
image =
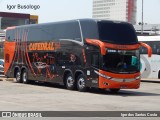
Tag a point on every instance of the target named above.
point(38, 96)
point(49, 97)
point(150, 80)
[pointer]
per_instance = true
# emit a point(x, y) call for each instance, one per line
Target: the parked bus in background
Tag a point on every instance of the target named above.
point(80, 54)
point(150, 66)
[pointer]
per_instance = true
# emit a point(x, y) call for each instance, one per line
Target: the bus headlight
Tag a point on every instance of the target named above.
point(102, 75)
point(138, 77)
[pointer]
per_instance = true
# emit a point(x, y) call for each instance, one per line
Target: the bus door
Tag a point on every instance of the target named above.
point(94, 59)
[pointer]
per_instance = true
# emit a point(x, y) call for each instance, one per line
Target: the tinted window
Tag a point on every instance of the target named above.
point(55, 31)
point(95, 59)
point(121, 61)
point(118, 33)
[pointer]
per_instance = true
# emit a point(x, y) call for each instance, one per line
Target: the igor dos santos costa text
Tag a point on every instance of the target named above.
point(19, 6)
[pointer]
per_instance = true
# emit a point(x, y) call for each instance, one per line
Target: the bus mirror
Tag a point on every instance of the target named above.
point(148, 48)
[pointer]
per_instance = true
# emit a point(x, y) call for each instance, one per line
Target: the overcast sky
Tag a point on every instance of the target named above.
point(58, 10)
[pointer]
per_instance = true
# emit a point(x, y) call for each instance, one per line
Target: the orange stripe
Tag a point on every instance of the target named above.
point(113, 84)
point(9, 50)
point(97, 43)
point(104, 45)
point(114, 75)
point(28, 56)
point(122, 47)
point(84, 56)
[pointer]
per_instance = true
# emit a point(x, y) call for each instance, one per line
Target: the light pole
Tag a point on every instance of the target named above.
point(142, 19)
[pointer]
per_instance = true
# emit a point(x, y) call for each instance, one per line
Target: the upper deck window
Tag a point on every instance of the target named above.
point(117, 33)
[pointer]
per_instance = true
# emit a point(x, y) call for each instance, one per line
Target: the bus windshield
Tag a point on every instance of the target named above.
point(117, 33)
point(121, 61)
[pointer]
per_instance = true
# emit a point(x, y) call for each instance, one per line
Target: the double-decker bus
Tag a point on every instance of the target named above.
point(80, 54)
point(150, 66)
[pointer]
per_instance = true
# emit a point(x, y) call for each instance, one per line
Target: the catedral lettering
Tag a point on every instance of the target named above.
point(79, 54)
point(44, 46)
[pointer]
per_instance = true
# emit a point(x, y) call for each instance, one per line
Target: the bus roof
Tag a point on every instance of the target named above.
point(117, 32)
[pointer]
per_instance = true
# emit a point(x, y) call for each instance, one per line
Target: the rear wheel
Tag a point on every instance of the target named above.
point(70, 82)
point(81, 83)
point(18, 76)
point(114, 90)
point(24, 77)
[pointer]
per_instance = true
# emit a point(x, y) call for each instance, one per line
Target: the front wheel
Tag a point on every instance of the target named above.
point(24, 77)
point(81, 83)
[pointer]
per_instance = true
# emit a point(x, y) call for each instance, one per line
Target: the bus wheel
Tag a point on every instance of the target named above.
point(24, 77)
point(81, 83)
point(114, 90)
point(70, 82)
point(18, 76)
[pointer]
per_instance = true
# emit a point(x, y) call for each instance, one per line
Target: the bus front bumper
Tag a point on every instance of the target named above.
point(119, 81)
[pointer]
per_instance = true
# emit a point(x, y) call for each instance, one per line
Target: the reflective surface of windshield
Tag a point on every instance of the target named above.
point(117, 33)
point(121, 61)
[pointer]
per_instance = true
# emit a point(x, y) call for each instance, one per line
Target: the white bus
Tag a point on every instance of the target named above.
point(150, 67)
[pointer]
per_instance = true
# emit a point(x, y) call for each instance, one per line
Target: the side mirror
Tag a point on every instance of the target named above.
point(148, 48)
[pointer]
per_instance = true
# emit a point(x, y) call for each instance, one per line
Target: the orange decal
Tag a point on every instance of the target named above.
point(122, 47)
point(8, 54)
point(84, 56)
point(44, 46)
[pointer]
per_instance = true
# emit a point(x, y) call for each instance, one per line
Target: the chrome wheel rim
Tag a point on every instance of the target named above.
point(18, 77)
point(24, 77)
point(81, 83)
point(70, 81)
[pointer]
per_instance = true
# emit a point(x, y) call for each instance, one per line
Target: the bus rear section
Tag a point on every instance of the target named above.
point(9, 51)
point(79, 54)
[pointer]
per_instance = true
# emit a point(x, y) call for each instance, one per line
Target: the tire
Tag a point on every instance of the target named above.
point(81, 83)
point(24, 77)
point(115, 90)
point(18, 76)
point(70, 82)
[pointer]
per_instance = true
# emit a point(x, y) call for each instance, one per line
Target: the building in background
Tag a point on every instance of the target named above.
point(15, 19)
point(33, 19)
point(8, 19)
point(148, 29)
point(122, 10)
